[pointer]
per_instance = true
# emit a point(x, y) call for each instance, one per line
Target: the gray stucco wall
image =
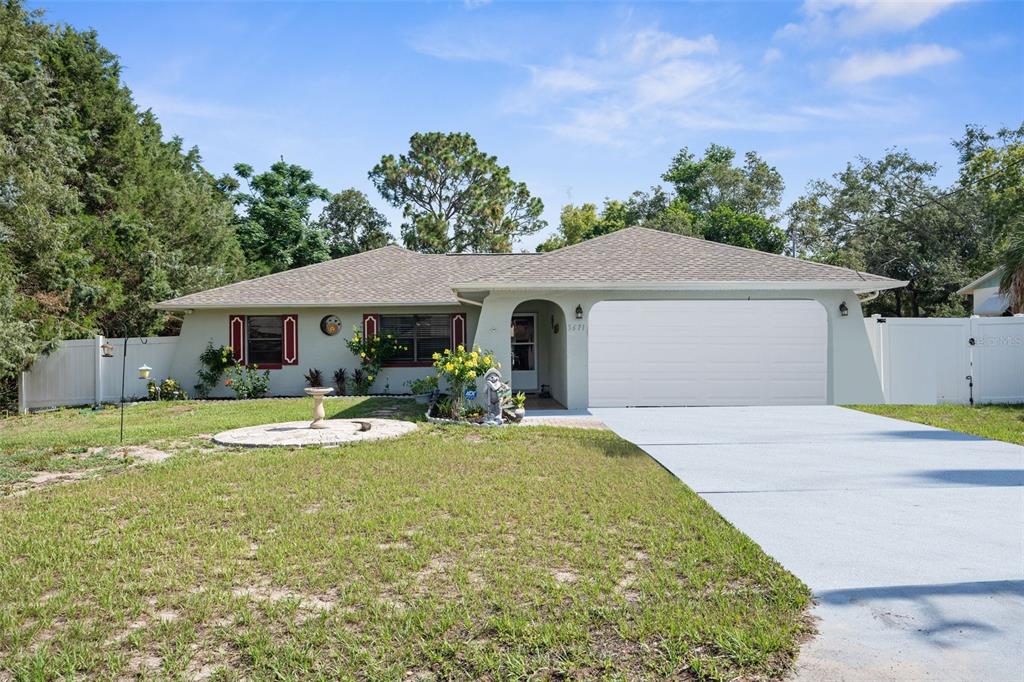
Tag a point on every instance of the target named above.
point(316, 349)
point(852, 374)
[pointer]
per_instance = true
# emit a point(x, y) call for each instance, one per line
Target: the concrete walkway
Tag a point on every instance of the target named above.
point(911, 537)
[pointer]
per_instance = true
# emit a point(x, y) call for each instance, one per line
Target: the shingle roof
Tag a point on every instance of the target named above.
point(640, 255)
point(395, 276)
point(389, 275)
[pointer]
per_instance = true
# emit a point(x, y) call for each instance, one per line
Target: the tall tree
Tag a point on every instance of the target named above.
point(132, 184)
point(454, 197)
point(1012, 264)
point(38, 255)
point(274, 229)
point(754, 188)
point(350, 224)
point(888, 217)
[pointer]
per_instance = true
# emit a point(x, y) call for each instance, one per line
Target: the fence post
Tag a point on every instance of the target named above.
point(23, 393)
point(97, 371)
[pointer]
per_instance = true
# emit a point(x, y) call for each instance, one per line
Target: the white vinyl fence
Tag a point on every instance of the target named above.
point(923, 361)
point(77, 374)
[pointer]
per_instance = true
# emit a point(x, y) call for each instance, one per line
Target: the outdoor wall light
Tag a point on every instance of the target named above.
point(144, 371)
point(579, 312)
point(843, 309)
point(107, 349)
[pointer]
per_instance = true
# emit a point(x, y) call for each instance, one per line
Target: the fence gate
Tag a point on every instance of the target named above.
point(923, 361)
point(997, 359)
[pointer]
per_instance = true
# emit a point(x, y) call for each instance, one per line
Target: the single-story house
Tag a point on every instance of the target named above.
point(633, 318)
point(986, 301)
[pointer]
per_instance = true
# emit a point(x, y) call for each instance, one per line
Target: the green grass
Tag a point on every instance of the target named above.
point(998, 422)
point(61, 440)
point(451, 553)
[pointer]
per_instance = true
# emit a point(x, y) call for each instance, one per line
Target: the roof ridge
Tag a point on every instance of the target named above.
point(706, 242)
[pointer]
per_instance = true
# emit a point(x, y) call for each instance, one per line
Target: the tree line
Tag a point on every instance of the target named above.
point(101, 214)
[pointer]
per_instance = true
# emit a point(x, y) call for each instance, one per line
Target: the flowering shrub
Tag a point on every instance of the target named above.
point(460, 368)
point(168, 389)
point(247, 382)
point(215, 361)
point(372, 352)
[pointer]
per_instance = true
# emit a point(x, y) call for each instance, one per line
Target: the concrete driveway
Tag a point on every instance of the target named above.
point(911, 537)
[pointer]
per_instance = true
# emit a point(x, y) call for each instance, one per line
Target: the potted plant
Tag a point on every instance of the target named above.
point(519, 405)
point(423, 388)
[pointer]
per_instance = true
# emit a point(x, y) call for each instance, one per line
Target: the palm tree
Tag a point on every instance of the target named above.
point(1012, 282)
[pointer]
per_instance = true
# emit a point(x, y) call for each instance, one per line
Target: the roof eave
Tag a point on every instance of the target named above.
point(173, 305)
point(859, 287)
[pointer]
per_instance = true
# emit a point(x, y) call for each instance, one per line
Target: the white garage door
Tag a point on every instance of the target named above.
point(663, 353)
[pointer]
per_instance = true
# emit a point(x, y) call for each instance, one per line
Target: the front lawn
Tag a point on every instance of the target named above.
point(80, 441)
point(455, 552)
point(998, 422)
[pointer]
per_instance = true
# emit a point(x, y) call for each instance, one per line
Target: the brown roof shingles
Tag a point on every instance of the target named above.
point(395, 276)
point(638, 255)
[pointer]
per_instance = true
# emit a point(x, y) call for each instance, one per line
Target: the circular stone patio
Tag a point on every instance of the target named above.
point(298, 434)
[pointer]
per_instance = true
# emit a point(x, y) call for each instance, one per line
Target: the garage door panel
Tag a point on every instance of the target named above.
point(656, 353)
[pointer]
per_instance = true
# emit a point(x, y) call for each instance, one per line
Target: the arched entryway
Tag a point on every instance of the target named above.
point(537, 336)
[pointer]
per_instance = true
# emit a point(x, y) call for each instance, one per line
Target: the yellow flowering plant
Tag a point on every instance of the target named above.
point(372, 352)
point(460, 368)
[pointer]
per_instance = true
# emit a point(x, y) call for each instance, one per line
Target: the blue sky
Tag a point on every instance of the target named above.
point(582, 101)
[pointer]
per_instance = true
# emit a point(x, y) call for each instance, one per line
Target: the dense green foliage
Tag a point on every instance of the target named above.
point(455, 197)
point(711, 198)
point(99, 215)
point(274, 227)
point(350, 224)
point(889, 217)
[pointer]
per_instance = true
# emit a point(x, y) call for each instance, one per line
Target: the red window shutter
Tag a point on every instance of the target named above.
point(371, 325)
point(458, 330)
point(236, 336)
point(290, 340)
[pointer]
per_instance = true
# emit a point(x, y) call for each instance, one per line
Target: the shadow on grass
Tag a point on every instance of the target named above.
point(380, 407)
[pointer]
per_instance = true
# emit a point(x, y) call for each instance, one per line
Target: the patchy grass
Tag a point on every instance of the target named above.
point(80, 442)
point(452, 553)
point(998, 422)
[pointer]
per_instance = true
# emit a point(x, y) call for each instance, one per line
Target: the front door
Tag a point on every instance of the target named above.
point(524, 352)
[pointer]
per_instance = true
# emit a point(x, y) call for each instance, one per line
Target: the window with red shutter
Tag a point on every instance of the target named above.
point(236, 336)
point(458, 330)
point(290, 345)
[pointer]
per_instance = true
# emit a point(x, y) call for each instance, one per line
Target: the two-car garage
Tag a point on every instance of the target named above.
point(709, 352)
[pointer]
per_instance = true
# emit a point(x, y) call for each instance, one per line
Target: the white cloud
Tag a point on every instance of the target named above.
point(823, 18)
point(771, 55)
point(633, 82)
point(678, 80)
point(475, 4)
point(863, 67)
point(651, 45)
point(561, 79)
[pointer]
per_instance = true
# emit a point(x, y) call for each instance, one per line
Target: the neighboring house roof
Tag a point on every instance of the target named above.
point(632, 258)
point(989, 279)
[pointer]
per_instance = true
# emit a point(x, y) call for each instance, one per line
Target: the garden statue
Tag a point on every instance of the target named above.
point(494, 388)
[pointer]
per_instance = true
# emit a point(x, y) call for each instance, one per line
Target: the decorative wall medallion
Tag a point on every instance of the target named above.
point(330, 325)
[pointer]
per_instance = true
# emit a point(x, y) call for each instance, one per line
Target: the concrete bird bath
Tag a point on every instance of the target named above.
point(318, 407)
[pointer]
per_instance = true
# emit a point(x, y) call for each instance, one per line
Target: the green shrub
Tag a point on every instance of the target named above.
point(247, 382)
point(168, 389)
point(372, 352)
point(215, 361)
